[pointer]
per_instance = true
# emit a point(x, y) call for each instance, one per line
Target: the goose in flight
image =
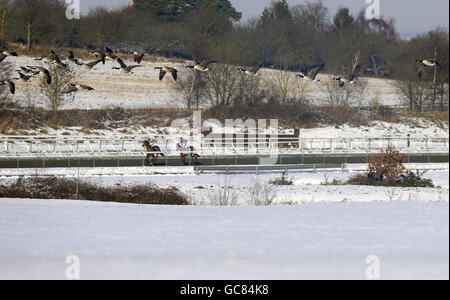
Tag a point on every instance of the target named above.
point(9, 53)
point(100, 55)
point(203, 66)
point(123, 67)
point(349, 79)
point(73, 59)
point(26, 71)
point(165, 70)
point(252, 71)
point(110, 54)
point(310, 73)
point(23, 77)
point(91, 65)
point(78, 87)
point(138, 56)
point(428, 62)
point(10, 84)
point(44, 72)
point(48, 59)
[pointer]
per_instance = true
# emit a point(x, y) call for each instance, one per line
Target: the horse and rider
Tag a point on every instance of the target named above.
point(187, 152)
point(154, 151)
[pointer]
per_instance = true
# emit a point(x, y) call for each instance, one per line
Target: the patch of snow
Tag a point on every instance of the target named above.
point(314, 241)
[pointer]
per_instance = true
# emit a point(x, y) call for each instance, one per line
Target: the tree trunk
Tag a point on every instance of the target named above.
point(433, 106)
point(375, 67)
point(29, 26)
point(3, 10)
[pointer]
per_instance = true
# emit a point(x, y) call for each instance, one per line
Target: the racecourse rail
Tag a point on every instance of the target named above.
point(44, 152)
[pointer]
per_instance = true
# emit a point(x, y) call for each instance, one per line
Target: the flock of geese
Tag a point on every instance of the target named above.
point(26, 73)
point(29, 72)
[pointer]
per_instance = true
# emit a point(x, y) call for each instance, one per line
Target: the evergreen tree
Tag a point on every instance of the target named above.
point(171, 10)
point(343, 20)
point(279, 12)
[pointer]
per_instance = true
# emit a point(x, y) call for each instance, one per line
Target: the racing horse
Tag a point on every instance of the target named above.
point(184, 155)
point(153, 151)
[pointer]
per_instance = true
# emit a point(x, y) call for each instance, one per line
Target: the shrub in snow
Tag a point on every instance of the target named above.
point(389, 166)
point(72, 189)
point(261, 194)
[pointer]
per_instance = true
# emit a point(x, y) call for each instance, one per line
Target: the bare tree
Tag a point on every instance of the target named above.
point(350, 94)
point(312, 14)
point(5, 97)
point(417, 94)
point(221, 84)
point(282, 86)
point(55, 93)
point(191, 86)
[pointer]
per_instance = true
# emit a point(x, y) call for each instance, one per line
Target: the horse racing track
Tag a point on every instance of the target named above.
point(51, 152)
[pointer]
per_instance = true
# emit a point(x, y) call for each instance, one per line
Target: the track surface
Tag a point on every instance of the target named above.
point(208, 161)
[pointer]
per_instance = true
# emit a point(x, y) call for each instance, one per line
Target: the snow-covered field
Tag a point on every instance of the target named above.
point(314, 241)
point(307, 187)
point(311, 231)
point(142, 89)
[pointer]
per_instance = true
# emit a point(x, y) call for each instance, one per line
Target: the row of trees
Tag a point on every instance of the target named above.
point(209, 29)
point(284, 37)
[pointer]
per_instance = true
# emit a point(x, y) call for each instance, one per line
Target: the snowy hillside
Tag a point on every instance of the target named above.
point(142, 89)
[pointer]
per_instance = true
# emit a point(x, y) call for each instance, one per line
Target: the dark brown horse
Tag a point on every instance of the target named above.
point(153, 152)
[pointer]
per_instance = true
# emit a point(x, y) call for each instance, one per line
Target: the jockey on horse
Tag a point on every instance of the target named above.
point(182, 146)
point(153, 151)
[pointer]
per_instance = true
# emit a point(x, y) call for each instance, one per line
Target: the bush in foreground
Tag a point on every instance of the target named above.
point(409, 180)
point(71, 189)
point(387, 170)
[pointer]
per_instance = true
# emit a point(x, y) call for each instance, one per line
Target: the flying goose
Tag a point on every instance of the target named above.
point(123, 67)
point(48, 59)
point(9, 53)
point(428, 62)
point(310, 73)
point(252, 71)
point(165, 70)
point(100, 55)
point(26, 71)
point(78, 87)
point(57, 61)
point(110, 54)
point(203, 66)
point(138, 56)
point(352, 78)
point(91, 65)
point(23, 77)
point(10, 84)
point(73, 59)
point(44, 72)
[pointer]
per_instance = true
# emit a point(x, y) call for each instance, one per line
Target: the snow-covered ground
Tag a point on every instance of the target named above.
point(423, 135)
point(142, 89)
point(314, 241)
point(307, 187)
